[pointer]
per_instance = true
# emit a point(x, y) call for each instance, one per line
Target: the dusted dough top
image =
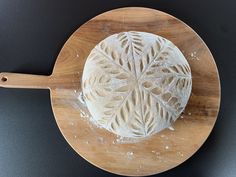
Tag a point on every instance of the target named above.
point(136, 84)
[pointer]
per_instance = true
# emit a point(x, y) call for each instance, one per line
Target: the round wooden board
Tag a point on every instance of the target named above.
point(161, 151)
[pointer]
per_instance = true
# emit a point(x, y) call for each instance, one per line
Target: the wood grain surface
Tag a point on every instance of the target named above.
point(161, 151)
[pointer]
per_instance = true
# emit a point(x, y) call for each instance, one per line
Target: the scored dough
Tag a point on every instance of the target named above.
point(136, 84)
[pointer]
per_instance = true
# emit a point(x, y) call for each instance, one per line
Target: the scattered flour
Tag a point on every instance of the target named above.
point(180, 154)
point(130, 155)
point(171, 128)
point(71, 123)
point(193, 56)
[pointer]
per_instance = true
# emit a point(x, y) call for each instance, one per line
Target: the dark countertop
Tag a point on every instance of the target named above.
point(31, 36)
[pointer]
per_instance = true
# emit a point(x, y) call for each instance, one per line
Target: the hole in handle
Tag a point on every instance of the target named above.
point(4, 79)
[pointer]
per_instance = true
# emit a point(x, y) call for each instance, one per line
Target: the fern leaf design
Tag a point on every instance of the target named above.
point(137, 127)
point(136, 41)
point(113, 58)
point(151, 57)
point(149, 123)
point(136, 83)
point(124, 110)
point(94, 92)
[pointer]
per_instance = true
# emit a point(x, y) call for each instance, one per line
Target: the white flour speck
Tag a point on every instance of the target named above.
point(71, 123)
point(193, 55)
point(171, 128)
point(180, 154)
point(87, 142)
point(129, 155)
point(83, 114)
point(77, 55)
point(189, 113)
point(123, 140)
point(164, 137)
point(167, 147)
point(181, 117)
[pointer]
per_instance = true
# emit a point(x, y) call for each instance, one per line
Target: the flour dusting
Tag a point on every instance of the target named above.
point(86, 142)
point(130, 155)
point(193, 56)
point(180, 154)
point(171, 128)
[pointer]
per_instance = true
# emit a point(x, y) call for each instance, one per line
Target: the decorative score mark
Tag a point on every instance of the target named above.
point(138, 88)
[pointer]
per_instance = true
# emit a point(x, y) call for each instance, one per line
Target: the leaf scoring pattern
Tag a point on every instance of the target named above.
point(136, 84)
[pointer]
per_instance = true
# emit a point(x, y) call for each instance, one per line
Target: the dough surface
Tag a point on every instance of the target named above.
point(136, 84)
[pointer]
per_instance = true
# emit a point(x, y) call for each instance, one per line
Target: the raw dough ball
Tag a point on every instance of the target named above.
point(136, 84)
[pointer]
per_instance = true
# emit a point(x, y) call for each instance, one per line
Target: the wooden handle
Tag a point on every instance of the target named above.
point(15, 80)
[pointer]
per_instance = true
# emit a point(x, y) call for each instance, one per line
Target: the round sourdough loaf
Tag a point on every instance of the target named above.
point(136, 84)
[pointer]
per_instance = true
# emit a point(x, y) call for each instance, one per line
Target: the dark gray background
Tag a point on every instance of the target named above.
point(31, 36)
